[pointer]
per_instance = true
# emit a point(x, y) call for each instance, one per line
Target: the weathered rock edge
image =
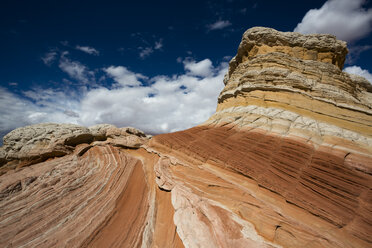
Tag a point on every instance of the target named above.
point(321, 47)
point(36, 143)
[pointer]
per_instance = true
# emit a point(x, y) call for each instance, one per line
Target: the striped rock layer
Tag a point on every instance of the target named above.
point(286, 161)
point(100, 194)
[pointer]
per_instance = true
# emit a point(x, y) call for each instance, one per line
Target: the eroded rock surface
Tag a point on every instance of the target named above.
point(100, 192)
point(286, 161)
point(36, 143)
point(127, 137)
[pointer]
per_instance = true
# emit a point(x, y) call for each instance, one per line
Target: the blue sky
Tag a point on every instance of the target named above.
point(154, 65)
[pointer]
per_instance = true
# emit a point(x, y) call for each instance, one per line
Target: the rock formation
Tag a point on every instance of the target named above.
point(286, 161)
point(32, 144)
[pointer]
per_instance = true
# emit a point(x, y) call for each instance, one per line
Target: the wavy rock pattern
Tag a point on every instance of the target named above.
point(33, 144)
point(101, 198)
point(286, 161)
point(64, 200)
point(287, 158)
point(320, 193)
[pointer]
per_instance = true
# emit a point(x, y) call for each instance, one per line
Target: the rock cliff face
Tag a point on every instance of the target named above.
point(286, 161)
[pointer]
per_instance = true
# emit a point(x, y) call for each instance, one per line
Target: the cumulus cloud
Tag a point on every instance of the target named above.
point(347, 19)
point(76, 70)
point(162, 104)
point(88, 50)
point(202, 68)
point(13, 111)
point(360, 72)
point(33, 107)
point(123, 76)
point(167, 104)
point(221, 24)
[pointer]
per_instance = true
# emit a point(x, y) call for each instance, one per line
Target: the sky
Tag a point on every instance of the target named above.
point(154, 65)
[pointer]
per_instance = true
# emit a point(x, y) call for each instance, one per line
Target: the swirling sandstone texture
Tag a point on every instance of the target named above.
point(65, 185)
point(286, 161)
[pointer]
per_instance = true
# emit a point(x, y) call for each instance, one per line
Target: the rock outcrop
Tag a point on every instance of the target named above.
point(69, 186)
point(33, 144)
point(286, 161)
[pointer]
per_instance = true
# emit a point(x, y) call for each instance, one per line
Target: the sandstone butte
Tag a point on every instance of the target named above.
point(286, 161)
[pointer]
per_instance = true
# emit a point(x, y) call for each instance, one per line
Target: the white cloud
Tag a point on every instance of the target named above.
point(145, 52)
point(360, 72)
point(158, 44)
point(202, 68)
point(219, 25)
point(70, 113)
point(166, 104)
point(87, 49)
point(49, 58)
point(148, 49)
point(123, 76)
point(344, 18)
point(54, 99)
point(13, 110)
point(227, 58)
point(34, 107)
point(76, 70)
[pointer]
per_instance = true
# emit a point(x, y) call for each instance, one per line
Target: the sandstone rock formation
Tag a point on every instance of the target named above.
point(286, 161)
point(36, 143)
point(287, 158)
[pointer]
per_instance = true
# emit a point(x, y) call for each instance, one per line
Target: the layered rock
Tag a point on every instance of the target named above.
point(32, 144)
point(100, 192)
point(43, 141)
point(74, 200)
point(287, 158)
point(286, 161)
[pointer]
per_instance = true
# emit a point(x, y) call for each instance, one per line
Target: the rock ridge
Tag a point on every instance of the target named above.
point(36, 143)
point(268, 73)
